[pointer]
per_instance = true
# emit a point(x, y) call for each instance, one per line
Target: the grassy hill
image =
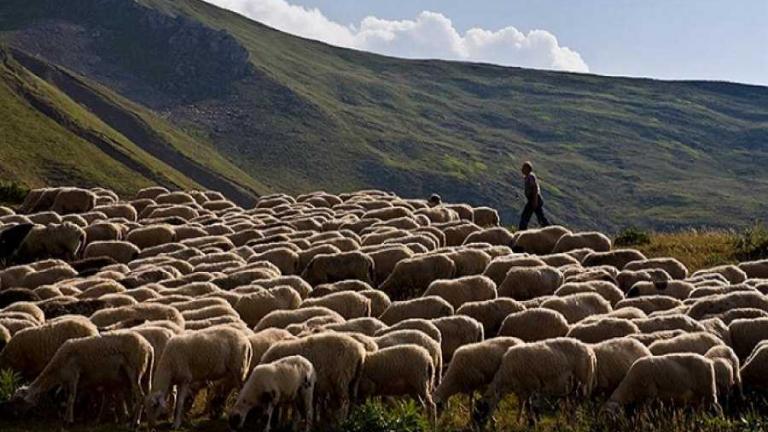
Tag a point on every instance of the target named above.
point(224, 102)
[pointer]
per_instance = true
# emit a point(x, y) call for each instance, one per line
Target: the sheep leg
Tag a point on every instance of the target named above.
point(137, 394)
point(180, 404)
point(71, 397)
point(270, 410)
point(308, 410)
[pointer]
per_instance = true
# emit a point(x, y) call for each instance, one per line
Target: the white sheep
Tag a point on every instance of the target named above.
point(424, 307)
point(676, 378)
point(746, 334)
point(463, 290)
point(540, 241)
point(413, 275)
point(558, 367)
point(338, 360)
point(284, 318)
point(614, 358)
point(402, 337)
point(120, 251)
point(602, 329)
point(196, 358)
point(289, 381)
point(576, 307)
point(698, 343)
point(525, 283)
point(675, 288)
point(727, 369)
point(607, 290)
point(490, 313)
point(534, 325)
point(112, 361)
point(597, 242)
point(348, 304)
point(457, 331)
point(672, 266)
point(402, 370)
point(425, 326)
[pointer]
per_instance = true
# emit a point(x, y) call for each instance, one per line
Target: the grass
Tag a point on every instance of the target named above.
point(310, 116)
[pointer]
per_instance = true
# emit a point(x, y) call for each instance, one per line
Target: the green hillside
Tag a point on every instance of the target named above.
point(222, 99)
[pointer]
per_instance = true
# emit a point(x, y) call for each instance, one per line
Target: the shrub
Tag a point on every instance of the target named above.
point(9, 382)
point(632, 236)
point(752, 244)
point(374, 417)
point(12, 192)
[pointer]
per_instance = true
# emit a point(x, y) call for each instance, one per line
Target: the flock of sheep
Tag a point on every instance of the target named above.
point(302, 307)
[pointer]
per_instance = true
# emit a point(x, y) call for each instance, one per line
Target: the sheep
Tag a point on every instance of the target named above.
point(379, 301)
point(289, 381)
point(494, 235)
point(699, 343)
point(425, 326)
point(424, 307)
point(456, 235)
point(485, 217)
point(30, 350)
point(403, 370)
point(179, 211)
point(606, 289)
point(29, 309)
point(141, 311)
point(456, 331)
point(556, 367)
point(534, 325)
point(338, 360)
point(255, 306)
point(209, 312)
point(576, 307)
point(602, 329)
point(216, 354)
point(120, 210)
point(734, 314)
point(325, 268)
point(472, 368)
point(727, 369)
point(672, 266)
point(731, 273)
point(755, 269)
point(366, 325)
point(346, 285)
point(753, 373)
point(525, 283)
point(614, 358)
point(617, 258)
point(649, 304)
point(540, 241)
point(285, 259)
point(595, 241)
point(413, 275)
point(11, 238)
point(73, 200)
point(746, 334)
point(463, 290)
point(283, 318)
point(490, 313)
point(348, 304)
point(48, 276)
point(112, 359)
point(5, 337)
point(57, 240)
point(151, 235)
point(721, 303)
point(403, 337)
point(295, 282)
point(675, 288)
point(120, 251)
point(669, 322)
point(676, 378)
point(626, 279)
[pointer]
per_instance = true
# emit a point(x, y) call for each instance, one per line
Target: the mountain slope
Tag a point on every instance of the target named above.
point(270, 111)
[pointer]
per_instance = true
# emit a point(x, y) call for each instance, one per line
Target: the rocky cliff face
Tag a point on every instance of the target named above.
point(141, 52)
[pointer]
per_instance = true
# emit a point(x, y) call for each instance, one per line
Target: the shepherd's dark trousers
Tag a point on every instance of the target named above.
point(528, 211)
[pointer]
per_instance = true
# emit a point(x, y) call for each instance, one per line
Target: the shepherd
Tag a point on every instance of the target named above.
point(534, 202)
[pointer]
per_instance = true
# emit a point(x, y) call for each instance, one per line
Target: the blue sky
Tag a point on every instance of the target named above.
point(668, 39)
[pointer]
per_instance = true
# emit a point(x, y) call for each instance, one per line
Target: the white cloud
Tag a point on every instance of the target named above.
point(430, 35)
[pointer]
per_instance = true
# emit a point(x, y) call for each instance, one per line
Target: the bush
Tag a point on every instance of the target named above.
point(12, 192)
point(374, 417)
point(9, 382)
point(632, 236)
point(752, 244)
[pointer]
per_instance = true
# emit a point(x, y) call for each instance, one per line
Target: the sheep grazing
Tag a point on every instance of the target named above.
point(472, 368)
point(195, 358)
point(425, 326)
point(289, 381)
point(534, 325)
point(602, 330)
point(540, 241)
point(727, 369)
point(328, 268)
point(413, 275)
point(415, 337)
point(56, 240)
point(746, 334)
point(698, 343)
point(281, 319)
point(457, 331)
point(348, 304)
point(614, 358)
point(490, 313)
point(403, 370)
point(559, 367)
point(754, 373)
point(423, 307)
point(463, 290)
point(576, 307)
point(675, 288)
point(112, 361)
point(29, 351)
point(594, 241)
point(525, 283)
point(675, 378)
point(338, 360)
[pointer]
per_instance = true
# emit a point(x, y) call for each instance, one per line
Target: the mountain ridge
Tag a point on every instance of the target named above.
point(305, 115)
